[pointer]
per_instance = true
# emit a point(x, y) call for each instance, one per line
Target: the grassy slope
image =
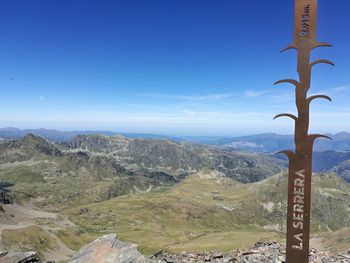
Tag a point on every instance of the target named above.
point(208, 214)
point(74, 238)
point(28, 238)
point(201, 213)
point(70, 189)
point(337, 241)
point(188, 216)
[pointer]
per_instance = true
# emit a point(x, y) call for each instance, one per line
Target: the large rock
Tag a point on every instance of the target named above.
point(108, 249)
point(19, 257)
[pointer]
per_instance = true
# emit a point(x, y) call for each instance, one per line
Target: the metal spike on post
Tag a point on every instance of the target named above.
point(300, 160)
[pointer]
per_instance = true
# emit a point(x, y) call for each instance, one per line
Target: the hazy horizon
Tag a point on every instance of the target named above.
point(116, 131)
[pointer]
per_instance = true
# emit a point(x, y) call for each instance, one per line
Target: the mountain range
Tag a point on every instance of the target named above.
point(181, 195)
point(259, 143)
point(117, 165)
point(328, 154)
point(65, 136)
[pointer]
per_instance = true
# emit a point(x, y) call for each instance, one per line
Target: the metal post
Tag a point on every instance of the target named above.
point(300, 160)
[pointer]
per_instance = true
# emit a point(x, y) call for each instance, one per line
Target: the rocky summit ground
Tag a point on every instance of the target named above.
point(109, 249)
point(264, 252)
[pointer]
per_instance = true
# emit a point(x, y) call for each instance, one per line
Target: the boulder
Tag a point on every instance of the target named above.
point(19, 257)
point(108, 249)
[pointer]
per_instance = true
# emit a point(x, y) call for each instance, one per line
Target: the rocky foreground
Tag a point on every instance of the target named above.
point(109, 249)
point(261, 252)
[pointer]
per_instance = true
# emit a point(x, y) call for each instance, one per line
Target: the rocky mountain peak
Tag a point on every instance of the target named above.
point(26, 148)
point(99, 143)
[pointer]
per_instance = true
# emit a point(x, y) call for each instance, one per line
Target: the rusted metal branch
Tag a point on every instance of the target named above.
point(291, 81)
point(291, 46)
point(318, 97)
point(324, 61)
point(321, 44)
point(286, 115)
point(290, 154)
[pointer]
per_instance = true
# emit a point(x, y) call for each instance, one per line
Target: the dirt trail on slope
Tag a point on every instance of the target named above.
point(19, 217)
point(62, 252)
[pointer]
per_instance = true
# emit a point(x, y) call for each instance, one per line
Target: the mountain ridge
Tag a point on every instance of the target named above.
point(260, 143)
point(117, 166)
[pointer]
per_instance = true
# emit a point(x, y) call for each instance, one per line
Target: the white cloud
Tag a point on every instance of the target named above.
point(250, 93)
point(186, 121)
point(193, 98)
point(333, 91)
point(341, 89)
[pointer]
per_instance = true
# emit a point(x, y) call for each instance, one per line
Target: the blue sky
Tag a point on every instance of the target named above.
point(167, 67)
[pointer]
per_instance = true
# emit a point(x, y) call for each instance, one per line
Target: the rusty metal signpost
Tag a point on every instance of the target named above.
point(300, 160)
